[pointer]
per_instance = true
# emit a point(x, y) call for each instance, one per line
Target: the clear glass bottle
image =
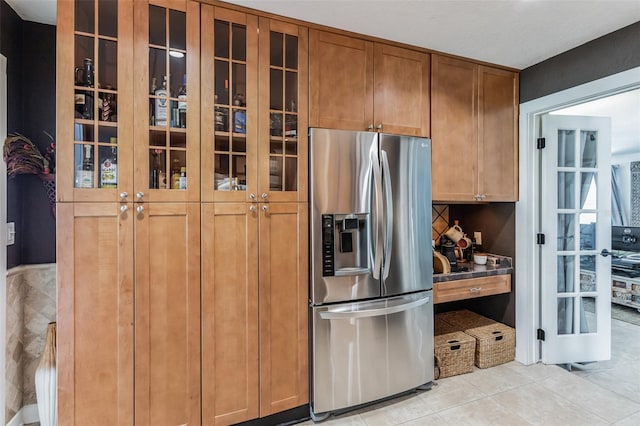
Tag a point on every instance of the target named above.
point(182, 103)
point(109, 168)
point(161, 104)
point(86, 173)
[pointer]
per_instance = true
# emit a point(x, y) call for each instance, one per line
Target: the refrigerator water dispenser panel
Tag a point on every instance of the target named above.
point(345, 244)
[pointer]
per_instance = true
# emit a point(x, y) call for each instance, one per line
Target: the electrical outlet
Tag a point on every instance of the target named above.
point(11, 233)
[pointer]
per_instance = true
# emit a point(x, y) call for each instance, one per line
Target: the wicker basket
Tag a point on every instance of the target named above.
point(454, 354)
point(464, 319)
point(440, 326)
point(495, 344)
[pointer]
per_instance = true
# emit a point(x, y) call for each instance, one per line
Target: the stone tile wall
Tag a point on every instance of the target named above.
point(31, 305)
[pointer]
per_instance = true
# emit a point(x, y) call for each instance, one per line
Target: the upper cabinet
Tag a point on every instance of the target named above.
point(361, 85)
point(474, 112)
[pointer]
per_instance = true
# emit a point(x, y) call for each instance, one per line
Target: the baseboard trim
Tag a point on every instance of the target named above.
point(26, 415)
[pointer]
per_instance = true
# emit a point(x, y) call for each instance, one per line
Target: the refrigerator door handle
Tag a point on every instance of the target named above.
point(329, 315)
point(388, 232)
point(377, 184)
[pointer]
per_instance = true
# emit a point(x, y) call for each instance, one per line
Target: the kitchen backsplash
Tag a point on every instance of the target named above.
point(439, 221)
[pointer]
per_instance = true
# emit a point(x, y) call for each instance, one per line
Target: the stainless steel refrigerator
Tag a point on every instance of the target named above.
point(371, 267)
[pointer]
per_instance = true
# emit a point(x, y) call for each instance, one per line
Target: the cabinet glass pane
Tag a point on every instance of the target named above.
point(291, 125)
point(108, 18)
point(239, 79)
point(239, 42)
point(108, 160)
point(221, 82)
point(276, 49)
point(221, 176)
point(566, 148)
point(275, 84)
point(290, 174)
point(84, 105)
point(178, 140)
point(566, 232)
point(222, 119)
point(566, 190)
point(276, 124)
point(275, 173)
point(588, 148)
point(85, 61)
point(588, 190)
point(588, 315)
point(157, 68)
point(157, 26)
point(157, 138)
point(221, 143)
point(108, 64)
point(565, 315)
point(84, 160)
point(178, 169)
point(291, 146)
point(83, 132)
point(239, 144)
point(291, 92)
point(108, 134)
point(566, 274)
point(239, 121)
point(177, 73)
point(107, 106)
point(177, 30)
point(291, 60)
point(275, 146)
point(239, 173)
point(221, 39)
point(158, 169)
point(85, 16)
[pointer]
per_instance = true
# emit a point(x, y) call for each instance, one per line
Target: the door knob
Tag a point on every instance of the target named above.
point(264, 195)
point(124, 208)
point(140, 209)
point(123, 196)
point(265, 208)
point(605, 253)
point(140, 195)
point(252, 209)
point(252, 196)
point(370, 127)
point(379, 127)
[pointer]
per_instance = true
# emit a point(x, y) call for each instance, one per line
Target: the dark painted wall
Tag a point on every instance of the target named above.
point(30, 51)
point(610, 54)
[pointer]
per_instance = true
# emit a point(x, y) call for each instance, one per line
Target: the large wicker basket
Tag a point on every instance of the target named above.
point(464, 319)
point(440, 326)
point(454, 354)
point(495, 344)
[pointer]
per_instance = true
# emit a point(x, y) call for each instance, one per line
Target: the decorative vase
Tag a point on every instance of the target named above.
point(46, 380)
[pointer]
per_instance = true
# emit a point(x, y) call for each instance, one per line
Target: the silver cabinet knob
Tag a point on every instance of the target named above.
point(264, 195)
point(124, 208)
point(265, 208)
point(140, 209)
point(123, 195)
point(139, 195)
point(252, 196)
point(370, 127)
point(379, 126)
point(252, 209)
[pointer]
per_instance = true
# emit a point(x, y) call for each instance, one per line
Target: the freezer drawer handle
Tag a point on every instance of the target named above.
point(374, 312)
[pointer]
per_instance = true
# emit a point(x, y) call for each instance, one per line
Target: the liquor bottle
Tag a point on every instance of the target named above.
point(152, 104)
point(155, 172)
point(182, 103)
point(175, 174)
point(220, 119)
point(182, 181)
point(161, 104)
point(85, 174)
point(109, 168)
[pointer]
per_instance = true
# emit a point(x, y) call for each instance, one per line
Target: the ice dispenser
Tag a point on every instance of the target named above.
point(344, 244)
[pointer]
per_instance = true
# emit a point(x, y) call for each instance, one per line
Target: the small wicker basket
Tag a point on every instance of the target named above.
point(464, 319)
point(440, 326)
point(454, 354)
point(495, 344)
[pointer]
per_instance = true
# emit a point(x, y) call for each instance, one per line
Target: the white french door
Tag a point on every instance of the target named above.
point(575, 217)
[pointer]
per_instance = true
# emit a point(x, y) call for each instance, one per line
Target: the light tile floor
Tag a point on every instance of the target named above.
point(605, 393)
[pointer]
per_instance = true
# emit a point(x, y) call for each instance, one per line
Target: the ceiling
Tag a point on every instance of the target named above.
point(514, 33)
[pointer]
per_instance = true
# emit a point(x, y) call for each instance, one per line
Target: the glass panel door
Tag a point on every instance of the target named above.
point(576, 219)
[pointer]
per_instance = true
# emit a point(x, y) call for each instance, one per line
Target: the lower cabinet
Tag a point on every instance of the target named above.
point(470, 288)
point(120, 265)
point(254, 310)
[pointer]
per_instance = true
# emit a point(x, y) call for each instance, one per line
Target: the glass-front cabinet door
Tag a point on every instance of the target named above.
point(283, 111)
point(167, 100)
point(95, 92)
point(229, 104)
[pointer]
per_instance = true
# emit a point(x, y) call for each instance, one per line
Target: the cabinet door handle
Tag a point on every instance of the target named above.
point(370, 127)
point(264, 195)
point(475, 289)
point(252, 196)
point(124, 208)
point(140, 209)
point(252, 209)
point(265, 208)
point(140, 195)
point(379, 127)
point(123, 196)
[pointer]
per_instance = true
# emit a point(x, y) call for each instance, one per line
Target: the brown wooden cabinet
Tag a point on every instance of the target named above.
point(254, 226)
point(471, 288)
point(474, 132)
point(362, 85)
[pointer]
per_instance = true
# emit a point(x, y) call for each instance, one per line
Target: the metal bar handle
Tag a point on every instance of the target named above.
point(388, 233)
point(374, 312)
point(377, 185)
